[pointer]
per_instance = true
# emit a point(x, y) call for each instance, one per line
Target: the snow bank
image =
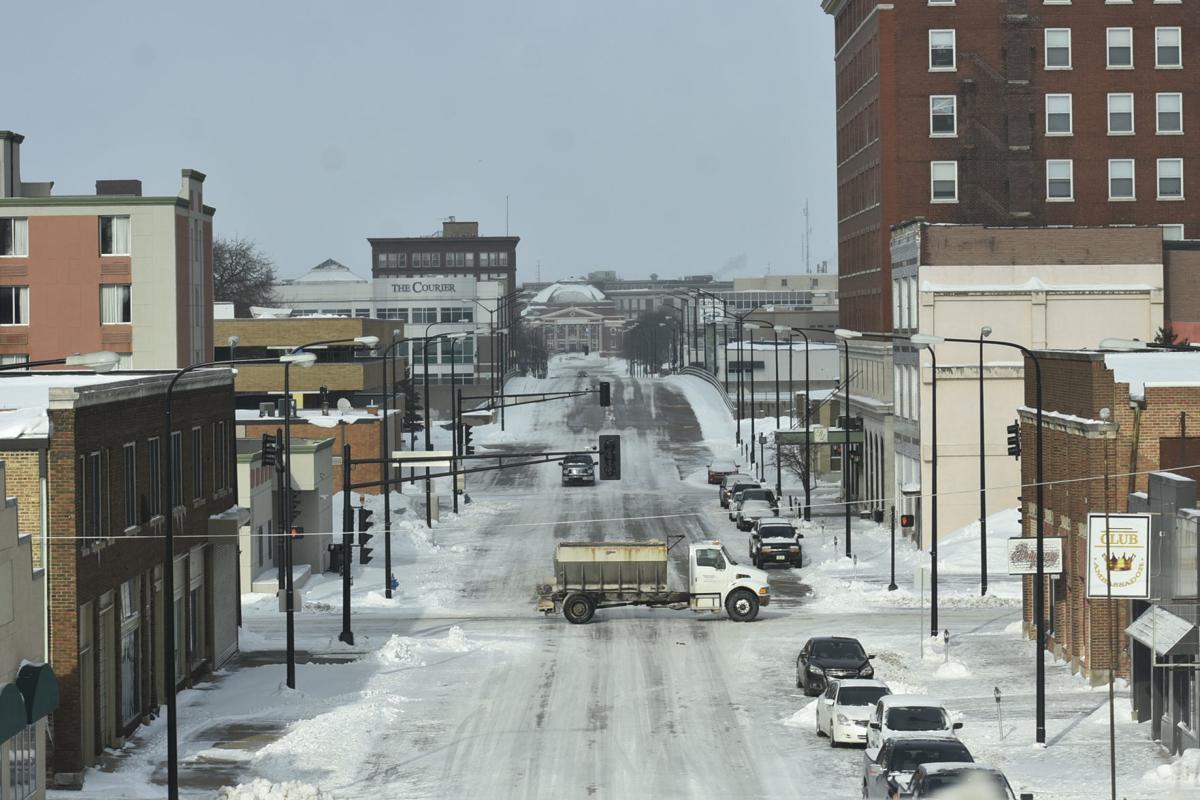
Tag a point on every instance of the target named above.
point(806, 717)
point(407, 651)
point(1183, 771)
point(951, 670)
point(262, 789)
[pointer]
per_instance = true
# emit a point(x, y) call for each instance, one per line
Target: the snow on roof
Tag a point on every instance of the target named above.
point(913, 700)
point(563, 293)
point(24, 398)
point(329, 271)
point(1142, 369)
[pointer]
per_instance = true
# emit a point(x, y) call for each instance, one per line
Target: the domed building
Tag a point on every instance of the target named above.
point(574, 316)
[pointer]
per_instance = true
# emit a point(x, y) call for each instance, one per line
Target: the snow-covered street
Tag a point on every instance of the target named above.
point(457, 687)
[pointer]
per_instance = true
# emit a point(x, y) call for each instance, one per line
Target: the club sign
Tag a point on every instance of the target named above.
point(1022, 555)
point(1118, 554)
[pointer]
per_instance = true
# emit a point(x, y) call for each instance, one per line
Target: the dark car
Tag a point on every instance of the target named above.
point(933, 779)
point(719, 469)
point(775, 541)
point(578, 468)
point(725, 492)
point(760, 494)
point(828, 657)
point(898, 759)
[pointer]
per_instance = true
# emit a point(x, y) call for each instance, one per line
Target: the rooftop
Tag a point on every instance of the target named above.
point(1143, 369)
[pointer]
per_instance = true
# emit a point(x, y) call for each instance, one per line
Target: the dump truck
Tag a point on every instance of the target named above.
point(593, 575)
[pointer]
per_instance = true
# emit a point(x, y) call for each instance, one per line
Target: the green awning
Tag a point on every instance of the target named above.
point(12, 711)
point(40, 688)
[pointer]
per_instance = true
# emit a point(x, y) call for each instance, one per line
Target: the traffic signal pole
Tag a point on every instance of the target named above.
point(346, 635)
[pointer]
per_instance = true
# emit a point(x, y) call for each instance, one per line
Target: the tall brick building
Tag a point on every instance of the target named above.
point(1027, 112)
point(1154, 401)
point(92, 446)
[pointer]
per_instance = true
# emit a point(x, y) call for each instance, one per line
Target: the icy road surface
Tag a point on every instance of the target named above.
point(457, 688)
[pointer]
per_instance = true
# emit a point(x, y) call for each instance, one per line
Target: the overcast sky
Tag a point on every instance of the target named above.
point(669, 136)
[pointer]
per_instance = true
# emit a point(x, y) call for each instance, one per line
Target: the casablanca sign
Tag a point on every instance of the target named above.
point(1022, 555)
point(1118, 554)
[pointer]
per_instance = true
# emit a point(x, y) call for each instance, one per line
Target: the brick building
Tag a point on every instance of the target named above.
point(1154, 401)
point(117, 270)
point(93, 445)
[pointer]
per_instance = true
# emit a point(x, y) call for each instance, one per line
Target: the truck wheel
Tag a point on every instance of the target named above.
point(578, 609)
point(741, 605)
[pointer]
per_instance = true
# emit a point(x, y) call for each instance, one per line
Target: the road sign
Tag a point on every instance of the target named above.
point(423, 458)
point(819, 436)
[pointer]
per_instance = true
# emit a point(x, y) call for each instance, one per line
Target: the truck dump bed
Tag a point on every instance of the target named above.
point(611, 567)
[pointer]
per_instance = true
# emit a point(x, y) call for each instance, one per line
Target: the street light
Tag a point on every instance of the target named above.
point(984, 332)
point(99, 361)
point(924, 341)
point(454, 338)
point(846, 335)
point(751, 327)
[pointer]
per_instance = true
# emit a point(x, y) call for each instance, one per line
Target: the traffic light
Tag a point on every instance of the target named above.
point(610, 458)
point(296, 533)
point(1021, 515)
point(468, 448)
point(364, 518)
point(295, 509)
point(269, 446)
point(1014, 440)
point(907, 520)
point(364, 552)
point(605, 394)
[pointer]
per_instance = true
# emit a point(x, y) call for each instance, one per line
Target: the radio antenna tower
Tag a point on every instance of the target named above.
point(807, 237)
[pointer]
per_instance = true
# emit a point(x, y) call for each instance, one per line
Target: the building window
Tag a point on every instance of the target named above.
point(196, 626)
point(458, 314)
point(1172, 233)
point(14, 358)
point(14, 305)
point(399, 314)
point(92, 497)
point(14, 237)
point(424, 315)
point(22, 764)
point(941, 50)
point(1120, 179)
point(176, 468)
point(1169, 112)
point(115, 305)
point(943, 179)
point(220, 457)
point(154, 470)
point(1120, 48)
point(114, 236)
point(1058, 115)
point(460, 260)
point(129, 471)
point(1170, 179)
point(390, 260)
point(1167, 51)
point(197, 464)
point(1058, 48)
point(362, 313)
point(1059, 180)
point(1120, 114)
point(943, 117)
point(124, 361)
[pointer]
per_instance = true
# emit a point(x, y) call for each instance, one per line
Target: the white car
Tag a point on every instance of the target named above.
point(751, 511)
point(844, 709)
point(908, 715)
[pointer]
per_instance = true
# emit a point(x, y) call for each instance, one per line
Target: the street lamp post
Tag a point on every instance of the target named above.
point(846, 335)
point(751, 328)
point(984, 332)
point(924, 342)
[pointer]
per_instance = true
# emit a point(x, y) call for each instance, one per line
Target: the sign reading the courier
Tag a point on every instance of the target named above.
point(1125, 546)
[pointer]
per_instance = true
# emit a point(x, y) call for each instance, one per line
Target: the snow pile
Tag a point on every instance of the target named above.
point(804, 718)
point(1183, 771)
point(262, 789)
point(406, 651)
point(951, 670)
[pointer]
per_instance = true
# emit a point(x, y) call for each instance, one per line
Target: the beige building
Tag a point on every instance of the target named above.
point(117, 270)
point(1043, 288)
point(26, 682)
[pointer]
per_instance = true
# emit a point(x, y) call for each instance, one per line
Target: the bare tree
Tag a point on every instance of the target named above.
point(242, 274)
point(793, 461)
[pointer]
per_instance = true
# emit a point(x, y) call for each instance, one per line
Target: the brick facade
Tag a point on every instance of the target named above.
point(1077, 446)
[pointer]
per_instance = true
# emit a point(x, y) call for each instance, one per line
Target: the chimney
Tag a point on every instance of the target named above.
point(453, 229)
point(10, 164)
point(129, 187)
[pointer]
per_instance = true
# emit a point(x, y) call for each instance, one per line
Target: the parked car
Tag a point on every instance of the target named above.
point(939, 779)
point(725, 493)
point(760, 493)
point(901, 715)
point(751, 511)
point(825, 658)
point(735, 497)
point(581, 374)
point(578, 468)
point(844, 709)
point(719, 469)
point(775, 541)
point(898, 759)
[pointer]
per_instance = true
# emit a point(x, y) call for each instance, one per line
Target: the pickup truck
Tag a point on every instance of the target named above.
point(578, 468)
point(592, 575)
point(775, 540)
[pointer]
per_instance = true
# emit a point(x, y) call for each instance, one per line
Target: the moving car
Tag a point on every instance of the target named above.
point(750, 511)
point(899, 759)
point(844, 709)
point(719, 469)
point(901, 715)
point(581, 374)
point(578, 468)
point(942, 778)
point(728, 484)
point(825, 658)
point(775, 540)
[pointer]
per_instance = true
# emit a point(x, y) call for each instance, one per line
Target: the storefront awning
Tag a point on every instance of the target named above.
point(12, 711)
point(1164, 633)
point(39, 685)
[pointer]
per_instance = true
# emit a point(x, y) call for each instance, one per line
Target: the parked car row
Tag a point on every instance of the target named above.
point(911, 742)
point(755, 509)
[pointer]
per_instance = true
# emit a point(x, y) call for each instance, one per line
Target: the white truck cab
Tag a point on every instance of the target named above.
point(716, 582)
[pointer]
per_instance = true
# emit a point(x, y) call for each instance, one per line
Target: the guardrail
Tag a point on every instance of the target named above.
point(705, 375)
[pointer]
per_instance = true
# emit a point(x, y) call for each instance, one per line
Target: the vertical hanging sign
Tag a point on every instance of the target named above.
point(1118, 552)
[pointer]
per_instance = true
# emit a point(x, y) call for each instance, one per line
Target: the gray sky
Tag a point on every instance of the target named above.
point(669, 136)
